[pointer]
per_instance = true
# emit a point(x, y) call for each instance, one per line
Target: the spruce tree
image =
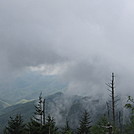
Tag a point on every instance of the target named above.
point(85, 124)
point(130, 125)
point(36, 124)
point(49, 127)
point(15, 125)
point(67, 129)
point(34, 127)
point(99, 127)
point(38, 114)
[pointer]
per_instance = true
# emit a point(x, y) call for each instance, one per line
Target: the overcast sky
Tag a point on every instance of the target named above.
point(86, 39)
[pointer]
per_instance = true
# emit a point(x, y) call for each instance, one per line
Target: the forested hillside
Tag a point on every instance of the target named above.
point(66, 113)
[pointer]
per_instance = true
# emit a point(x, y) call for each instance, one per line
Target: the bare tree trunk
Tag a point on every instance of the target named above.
point(44, 114)
point(49, 129)
point(112, 95)
point(108, 111)
point(113, 99)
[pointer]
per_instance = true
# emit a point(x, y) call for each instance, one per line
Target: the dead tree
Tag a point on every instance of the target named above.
point(108, 110)
point(44, 112)
point(114, 99)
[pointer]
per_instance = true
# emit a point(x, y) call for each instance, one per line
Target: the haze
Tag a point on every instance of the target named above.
point(83, 42)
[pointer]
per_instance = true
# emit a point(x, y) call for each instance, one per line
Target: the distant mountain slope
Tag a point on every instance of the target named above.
point(58, 105)
point(3, 104)
point(25, 109)
point(23, 101)
point(29, 85)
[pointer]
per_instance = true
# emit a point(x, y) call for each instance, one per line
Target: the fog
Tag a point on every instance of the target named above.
point(86, 40)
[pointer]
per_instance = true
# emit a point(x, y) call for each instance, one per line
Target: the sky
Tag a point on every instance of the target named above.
point(81, 41)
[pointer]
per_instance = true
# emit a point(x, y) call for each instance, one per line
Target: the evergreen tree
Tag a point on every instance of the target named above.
point(37, 123)
point(130, 104)
point(129, 128)
point(85, 122)
point(67, 129)
point(49, 127)
point(34, 127)
point(15, 125)
point(38, 114)
point(130, 125)
point(99, 128)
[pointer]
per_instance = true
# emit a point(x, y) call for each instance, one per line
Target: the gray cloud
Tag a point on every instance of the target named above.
point(96, 36)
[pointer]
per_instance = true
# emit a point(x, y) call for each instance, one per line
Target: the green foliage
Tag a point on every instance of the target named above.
point(39, 113)
point(49, 127)
point(37, 125)
point(67, 129)
point(130, 104)
point(99, 127)
point(129, 128)
point(15, 126)
point(33, 127)
point(85, 122)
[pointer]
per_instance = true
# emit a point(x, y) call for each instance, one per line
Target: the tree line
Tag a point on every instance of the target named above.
point(36, 125)
point(40, 124)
